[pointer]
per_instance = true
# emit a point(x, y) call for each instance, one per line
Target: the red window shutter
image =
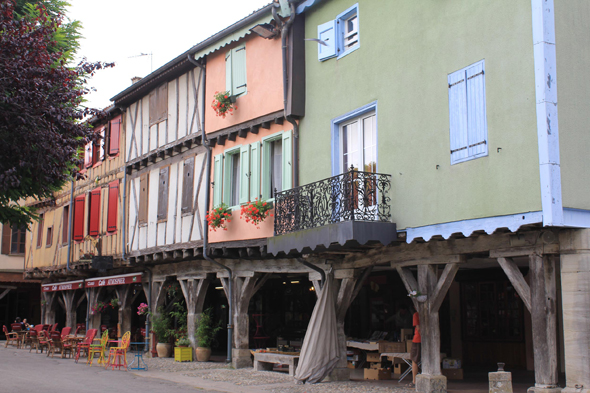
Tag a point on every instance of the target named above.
point(78, 230)
point(94, 212)
point(113, 206)
point(88, 155)
point(6, 239)
point(114, 136)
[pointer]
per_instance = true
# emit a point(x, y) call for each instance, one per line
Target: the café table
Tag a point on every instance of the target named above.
point(139, 348)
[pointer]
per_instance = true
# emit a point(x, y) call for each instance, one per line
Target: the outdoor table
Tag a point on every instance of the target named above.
point(139, 350)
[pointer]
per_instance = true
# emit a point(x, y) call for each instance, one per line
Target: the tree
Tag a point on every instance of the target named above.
point(41, 128)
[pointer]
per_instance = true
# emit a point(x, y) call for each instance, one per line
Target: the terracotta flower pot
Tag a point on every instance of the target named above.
point(164, 350)
point(203, 354)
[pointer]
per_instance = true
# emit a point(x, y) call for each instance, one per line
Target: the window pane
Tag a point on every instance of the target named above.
point(370, 144)
point(276, 166)
point(350, 146)
point(235, 177)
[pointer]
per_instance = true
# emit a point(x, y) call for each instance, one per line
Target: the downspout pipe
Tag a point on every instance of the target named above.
point(230, 326)
point(316, 268)
point(124, 213)
point(147, 320)
point(70, 220)
point(284, 34)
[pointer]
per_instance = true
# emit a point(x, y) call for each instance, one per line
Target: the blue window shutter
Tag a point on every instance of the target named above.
point(239, 70)
point(254, 170)
point(458, 116)
point(244, 174)
point(327, 33)
point(476, 111)
point(228, 73)
point(217, 179)
point(287, 160)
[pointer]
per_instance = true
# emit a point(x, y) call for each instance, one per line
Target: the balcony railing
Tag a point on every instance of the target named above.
point(351, 196)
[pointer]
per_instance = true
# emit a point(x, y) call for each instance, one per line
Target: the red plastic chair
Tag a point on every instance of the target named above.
point(38, 327)
point(11, 338)
point(55, 327)
point(65, 332)
point(85, 345)
point(43, 340)
point(33, 340)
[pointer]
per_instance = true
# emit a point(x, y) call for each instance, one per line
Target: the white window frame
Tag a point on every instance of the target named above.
point(468, 130)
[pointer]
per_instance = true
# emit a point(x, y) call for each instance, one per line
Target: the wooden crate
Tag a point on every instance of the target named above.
point(183, 354)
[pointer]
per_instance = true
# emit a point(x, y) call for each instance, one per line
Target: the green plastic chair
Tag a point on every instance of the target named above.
point(98, 348)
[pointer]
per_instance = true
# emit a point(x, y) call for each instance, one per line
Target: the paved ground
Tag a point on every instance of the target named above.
point(25, 372)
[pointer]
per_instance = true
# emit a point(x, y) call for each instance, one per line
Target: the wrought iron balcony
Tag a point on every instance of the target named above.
point(352, 197)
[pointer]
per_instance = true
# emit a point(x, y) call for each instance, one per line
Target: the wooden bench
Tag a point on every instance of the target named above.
point(263, 361)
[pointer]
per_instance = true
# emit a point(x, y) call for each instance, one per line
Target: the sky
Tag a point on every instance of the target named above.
point(142, 35)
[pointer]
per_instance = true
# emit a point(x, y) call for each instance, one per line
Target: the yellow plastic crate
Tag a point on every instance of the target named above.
point(183, 354)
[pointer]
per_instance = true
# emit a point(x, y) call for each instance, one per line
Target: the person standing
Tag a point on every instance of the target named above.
point(416, 352)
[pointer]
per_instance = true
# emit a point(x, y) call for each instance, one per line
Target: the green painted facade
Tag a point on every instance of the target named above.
point(407, 49)
point(572, 39)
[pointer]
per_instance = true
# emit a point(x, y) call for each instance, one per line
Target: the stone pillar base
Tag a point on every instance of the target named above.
point(535, 389)
point(500, 382)
point(431, 383)
point(338, 374)
point(574, 390)
point(241, 358)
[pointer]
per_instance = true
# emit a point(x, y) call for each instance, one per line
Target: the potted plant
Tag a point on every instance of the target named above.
point(205, 335)
point(223, 103)
point(162, 331)
point(256, 212)
point(115, 303)
point(218, 217)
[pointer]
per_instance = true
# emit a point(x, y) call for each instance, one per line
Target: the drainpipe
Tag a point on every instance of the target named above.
point(284, 33)
point(147, 319)
point(124, 210)
point(230, 326)
point(316, 268)
point(70, 219)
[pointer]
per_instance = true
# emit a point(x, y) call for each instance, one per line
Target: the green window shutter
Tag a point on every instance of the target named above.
point(244, 173)
point(217, 179)
point(265, 170)
point(254, 170)
point(287, 160)
point(228, 72)
point(227, 180)
point(238, 64)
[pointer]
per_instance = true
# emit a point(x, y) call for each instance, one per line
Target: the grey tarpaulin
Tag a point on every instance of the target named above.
point(320, 351)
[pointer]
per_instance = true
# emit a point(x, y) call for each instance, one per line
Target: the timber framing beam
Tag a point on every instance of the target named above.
point(517, 279)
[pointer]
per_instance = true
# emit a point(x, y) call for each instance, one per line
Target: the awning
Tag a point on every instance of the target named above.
point(63, 286)
point(122, 279)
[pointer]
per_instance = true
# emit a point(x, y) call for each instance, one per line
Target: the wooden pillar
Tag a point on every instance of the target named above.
point(93, 319)
point(194, 289)
point(435, 289)
point(124, 311)
point(540, 299)
point(244, 289)
point(69, 305)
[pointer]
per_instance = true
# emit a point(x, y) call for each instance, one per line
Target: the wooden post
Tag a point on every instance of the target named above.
point(194, 290)
point(435, 289)
point(124, 311)
point(244, 289)
point(69, 305)
point(539, 299)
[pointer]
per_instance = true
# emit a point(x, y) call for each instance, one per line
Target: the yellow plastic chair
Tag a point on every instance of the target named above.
point(118, 355)
point(98, 348)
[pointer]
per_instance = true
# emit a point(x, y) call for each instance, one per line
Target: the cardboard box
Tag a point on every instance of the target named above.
point(377, 373)
point(398, 369)
point(452, 373)
point(451, 363)
point(407, 334)
point(350, 365)
point(409, 346)
point(374, 365)
point(373, 357)
point(392, 347)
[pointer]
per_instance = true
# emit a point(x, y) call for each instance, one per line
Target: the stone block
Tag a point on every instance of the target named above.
point(241, 358)
point(500, 382)
point(573, 263)
point(574, 239)
point(431, 383)
point(575, 282)
point(536, 389)
point(338, 374)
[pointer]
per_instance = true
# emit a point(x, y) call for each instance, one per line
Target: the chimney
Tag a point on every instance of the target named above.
point(135, 79)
